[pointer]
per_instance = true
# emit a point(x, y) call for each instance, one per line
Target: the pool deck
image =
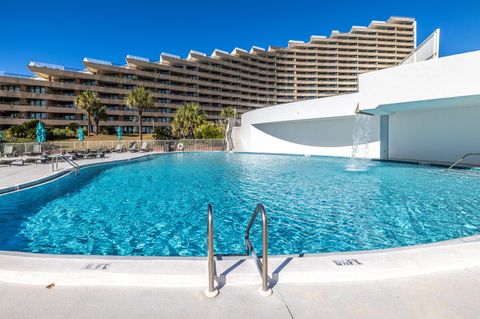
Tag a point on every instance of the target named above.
point(440, 280)
point(16, 177)
point(448, 295)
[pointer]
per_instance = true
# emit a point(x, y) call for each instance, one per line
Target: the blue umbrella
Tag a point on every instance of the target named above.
point(119, 133)
point(80, 134)
point(41, 133)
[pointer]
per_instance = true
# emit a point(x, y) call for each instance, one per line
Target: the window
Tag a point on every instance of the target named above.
point(35, 102)
point(12, 88)
point(88, 82)
point(36, 89)
point(38, 115)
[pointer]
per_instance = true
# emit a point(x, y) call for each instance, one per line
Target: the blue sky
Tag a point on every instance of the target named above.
point(63, 32)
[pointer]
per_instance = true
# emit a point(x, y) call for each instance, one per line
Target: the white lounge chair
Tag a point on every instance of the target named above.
point(119, 148)
point(12, 161)
point(144, 147)
point(133, 147)
point(35, 149)
point(8, 151)
point(35, 159)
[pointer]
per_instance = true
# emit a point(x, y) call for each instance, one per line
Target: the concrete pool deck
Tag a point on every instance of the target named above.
point(16, 177)
point(445, 295)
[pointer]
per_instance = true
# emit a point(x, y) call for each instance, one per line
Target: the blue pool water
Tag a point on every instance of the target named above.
point(158, 207)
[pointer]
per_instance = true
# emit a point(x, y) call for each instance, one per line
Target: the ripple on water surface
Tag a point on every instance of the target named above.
point(158, 207)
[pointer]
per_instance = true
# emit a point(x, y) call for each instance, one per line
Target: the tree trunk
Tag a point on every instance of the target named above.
point(89, 126)
point(140, 124)
point(96, 126)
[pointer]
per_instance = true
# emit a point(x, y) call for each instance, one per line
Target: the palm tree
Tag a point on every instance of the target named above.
point(87, 101)
point(229, 112)
point(139, 99)
point(187, 118)
point(99, 113)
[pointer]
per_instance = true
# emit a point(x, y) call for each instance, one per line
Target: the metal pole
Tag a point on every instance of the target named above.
point(265, 290)
point(265, 287)
point(211, 291)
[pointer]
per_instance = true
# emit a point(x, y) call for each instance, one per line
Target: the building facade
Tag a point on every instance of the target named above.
point(245, 80)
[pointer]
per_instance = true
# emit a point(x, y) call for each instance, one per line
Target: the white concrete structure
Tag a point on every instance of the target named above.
point(316, 127)
point(425, 111)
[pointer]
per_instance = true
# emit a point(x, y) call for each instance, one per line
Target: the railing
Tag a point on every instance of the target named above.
point(185, 145)
point(14, 75)
point(261, 265)
point(462, 159)
point(46, 65)
point(138, 58)
point(66, 159)
point(428, 49)
point(211, 291)
point(97, 61)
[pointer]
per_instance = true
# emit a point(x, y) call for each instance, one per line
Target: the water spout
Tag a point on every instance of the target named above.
point(362, 135)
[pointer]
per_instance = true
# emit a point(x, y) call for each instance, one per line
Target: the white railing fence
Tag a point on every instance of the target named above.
point(186, 145)
point(429, 49)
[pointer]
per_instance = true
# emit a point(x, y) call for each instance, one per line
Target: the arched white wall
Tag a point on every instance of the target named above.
point(325, 136)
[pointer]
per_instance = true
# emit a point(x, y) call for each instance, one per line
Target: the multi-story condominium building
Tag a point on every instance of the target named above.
point(246, 80)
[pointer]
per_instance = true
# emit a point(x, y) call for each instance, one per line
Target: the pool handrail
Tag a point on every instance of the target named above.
point(462, 158)
point(72, 163)
point(263, 264)
point(211, 291)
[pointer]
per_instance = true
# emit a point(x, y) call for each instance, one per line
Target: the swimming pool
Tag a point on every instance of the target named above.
point(158, 206)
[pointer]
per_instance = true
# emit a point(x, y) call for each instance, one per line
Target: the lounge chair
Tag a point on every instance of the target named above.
point(8, 151)
point(88, 154)
point(144, 147)
point(118, 149)
point(71, 156)
point(35, 149)
point(12, 161)
point(94, 154)
point(28, 149)
point(35, 159)
point(133, 147)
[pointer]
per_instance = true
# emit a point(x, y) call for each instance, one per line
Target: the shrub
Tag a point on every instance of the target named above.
point(108, 130)
point(73, 126)
point(163, 133)
point(60, 133)
point(209, 130)
point(26, 130)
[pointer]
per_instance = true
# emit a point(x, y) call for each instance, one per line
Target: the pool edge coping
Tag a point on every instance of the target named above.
point(175, 271)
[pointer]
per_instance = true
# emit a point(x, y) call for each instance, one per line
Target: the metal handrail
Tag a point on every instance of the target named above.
point(211, 291)
point(462, 158)
point(261, 265)
point(66, 159)
point(69, 161)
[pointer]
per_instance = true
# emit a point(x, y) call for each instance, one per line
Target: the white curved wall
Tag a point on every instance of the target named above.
point(314, 127)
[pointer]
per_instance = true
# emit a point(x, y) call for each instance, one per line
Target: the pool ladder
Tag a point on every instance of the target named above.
point(262, 265)
point(462, 158)
point(72, 163)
